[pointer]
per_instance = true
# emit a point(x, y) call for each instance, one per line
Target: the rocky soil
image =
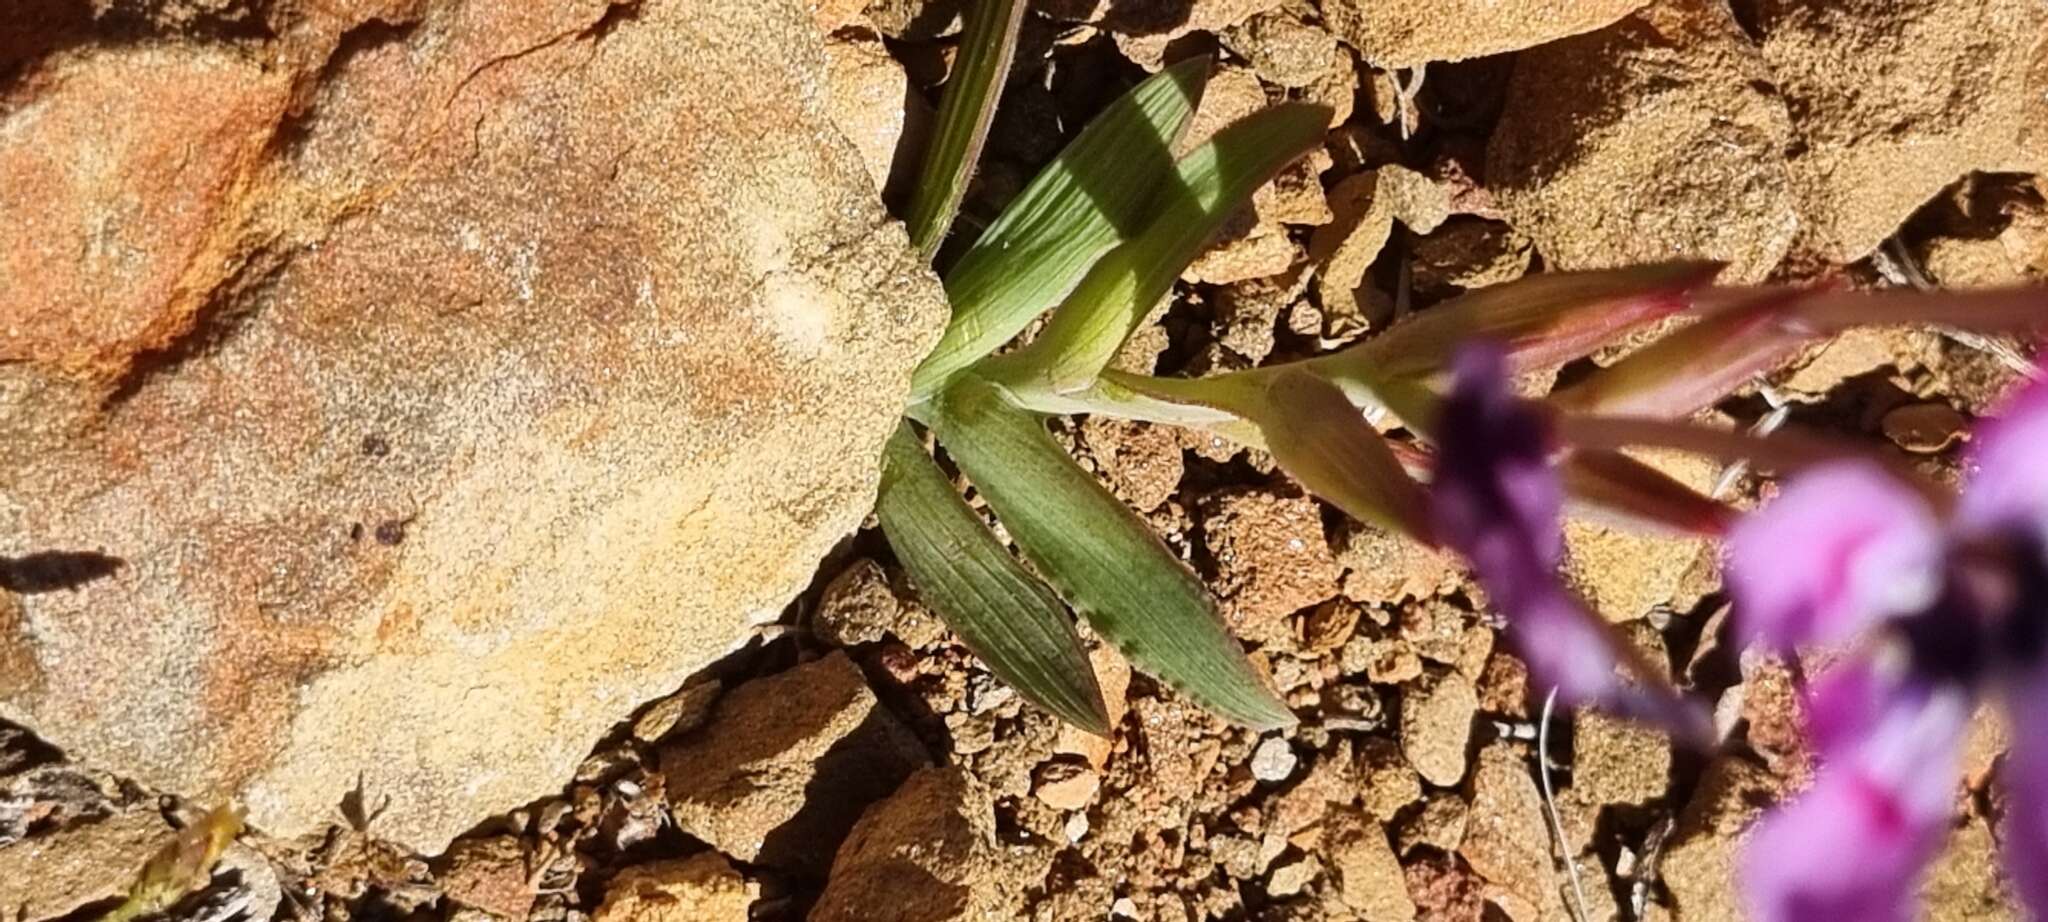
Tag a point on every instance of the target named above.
point(356, 520)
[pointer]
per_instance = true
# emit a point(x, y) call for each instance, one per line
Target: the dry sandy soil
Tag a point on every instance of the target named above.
point(856, 763)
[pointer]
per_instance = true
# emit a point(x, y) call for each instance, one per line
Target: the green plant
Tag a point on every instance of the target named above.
point(1099, 237)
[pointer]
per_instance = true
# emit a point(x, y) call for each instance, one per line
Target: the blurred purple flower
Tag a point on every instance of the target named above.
point(1496, 499)
point(1946, 613)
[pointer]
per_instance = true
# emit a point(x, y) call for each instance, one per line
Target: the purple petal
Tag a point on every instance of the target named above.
point(1843, 706)
point(2025, 777)
point(1571, 649)
point(1855, 845)
point(2010, 486)
point(1494, 485)
point(1843, 546)
point(1496, 499)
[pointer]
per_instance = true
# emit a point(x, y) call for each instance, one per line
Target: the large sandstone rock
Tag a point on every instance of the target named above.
point(442, 397)
point(1895, 99)
point(1652, 139)
point(1405, 33)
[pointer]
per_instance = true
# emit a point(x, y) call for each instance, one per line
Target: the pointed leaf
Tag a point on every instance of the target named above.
point(1208, 186)
point(1786, 450)
point(1687, 371)
point(1316, 435)
point(1325, 442)
point(969, 105)
point(1103, 559)
point(1095, 194)
point(1755, 330)
point(1002, 613)
point(1619, 484)
point(1541, 320)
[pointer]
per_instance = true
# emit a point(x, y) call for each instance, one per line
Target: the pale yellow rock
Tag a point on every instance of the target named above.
point(1701, 861)
point(1436, 726)
point(1232, 93)
point(834, 15)
point(1968, 882)
point(1896, 99)
point(869, 99)
point(1368, 876)
point(540, 362)
point(1405, 33)
point(1624, 571)
point(1615, 761)
point(1650, 140)
point(1363, 210)
point(1851, 353)
point(701, 888)
point(1261, 255)
point(1506, 838)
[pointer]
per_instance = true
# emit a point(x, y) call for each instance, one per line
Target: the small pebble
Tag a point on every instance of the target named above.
point(1290, 879)
point(1062, 787)
point(1076, 828)
point(1924, 428)
point(1274, 760)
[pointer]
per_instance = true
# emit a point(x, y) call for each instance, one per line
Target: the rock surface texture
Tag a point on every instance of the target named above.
point(409, 395)
point(787, 763)
point(1895, 99)
point(1652, 139)
point(1412, 32)
point(928, 853)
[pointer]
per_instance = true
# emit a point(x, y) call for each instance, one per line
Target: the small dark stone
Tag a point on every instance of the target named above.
point(374, 446)
point(391, 532)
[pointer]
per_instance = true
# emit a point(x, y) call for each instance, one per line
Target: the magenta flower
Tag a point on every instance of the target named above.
point(1947, 611)
point(1496, 499)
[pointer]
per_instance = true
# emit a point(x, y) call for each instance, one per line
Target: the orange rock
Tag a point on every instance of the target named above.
point(1412, 32)
point(1887, 117)
point(124, 206)
point(786, 765)
point(701, 888)
point(533, 370)
point(1679, 153)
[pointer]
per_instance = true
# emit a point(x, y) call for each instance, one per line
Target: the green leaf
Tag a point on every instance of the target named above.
point(1102, 558)
point(1001, 612)
point(1316, 435)
point(986, 46)
point(1095, 194)
point(1208, 186)
point(1314, 432)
